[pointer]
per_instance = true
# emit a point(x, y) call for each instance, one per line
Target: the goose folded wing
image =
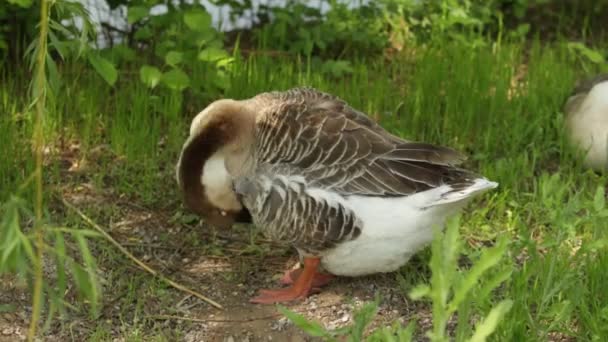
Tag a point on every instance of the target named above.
point(334, 146)
point(287, 213)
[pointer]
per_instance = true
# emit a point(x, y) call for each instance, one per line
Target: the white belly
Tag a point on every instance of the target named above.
point(393, 230)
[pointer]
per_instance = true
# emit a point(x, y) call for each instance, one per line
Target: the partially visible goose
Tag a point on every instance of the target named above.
point(587, 121)
point(317, 174)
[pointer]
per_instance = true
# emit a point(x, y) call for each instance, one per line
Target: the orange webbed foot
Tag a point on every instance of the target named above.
point(301, 288)
point(319, 279)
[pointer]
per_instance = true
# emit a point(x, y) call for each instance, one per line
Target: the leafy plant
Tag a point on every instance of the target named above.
point(342, 32)
point(183, 40)
point(25, 246)
point(581, 51)
point(361, 319)
point(451, 290)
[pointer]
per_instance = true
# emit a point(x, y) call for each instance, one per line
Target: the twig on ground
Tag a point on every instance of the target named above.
point(135, 259)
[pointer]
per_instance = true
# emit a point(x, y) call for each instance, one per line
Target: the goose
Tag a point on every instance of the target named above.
point(587, 121)
point(314, 173)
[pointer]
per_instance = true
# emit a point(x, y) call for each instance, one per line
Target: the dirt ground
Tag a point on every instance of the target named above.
point(225, 266)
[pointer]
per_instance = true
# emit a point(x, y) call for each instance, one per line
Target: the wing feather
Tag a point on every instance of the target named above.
point(332, 145)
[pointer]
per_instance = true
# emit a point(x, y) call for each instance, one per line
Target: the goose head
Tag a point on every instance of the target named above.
point(220, 137)
point(587, 121)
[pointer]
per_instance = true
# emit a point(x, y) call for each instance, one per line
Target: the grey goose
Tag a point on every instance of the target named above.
point(316, 174)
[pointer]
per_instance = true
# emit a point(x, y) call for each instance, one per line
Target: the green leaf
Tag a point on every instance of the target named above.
point(136, 13)
point(362, 318)
point(82, 280)
point(407, 334)
point(558, 312)
point(198, 20)
point(203, 38)
point(173, 58)
point(89, 261)
point(57, 44)
point(599, 201)
point(419, 292)
point(143, 33)
point(122, 53)
point(53, 76)
point(104, 68)
point(9, 241)
point(176, 80)
point(7, 308)
point(488, 259)
point(212, 54)
point(591, 54)
point(60, 257)
point(311, 328)
point(489, 324)
point(22, 3)
point(150, 75)
point(497, 278)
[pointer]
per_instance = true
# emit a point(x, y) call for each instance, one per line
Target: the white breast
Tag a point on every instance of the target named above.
point(393, 228)
point(588, 127)
point(218, 184)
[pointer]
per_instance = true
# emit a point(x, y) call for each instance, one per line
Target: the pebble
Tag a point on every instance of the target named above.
point(345, 318)
point(279, 324)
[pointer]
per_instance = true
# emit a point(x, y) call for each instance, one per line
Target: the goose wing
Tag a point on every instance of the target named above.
point(330, 144)
point(287, 213)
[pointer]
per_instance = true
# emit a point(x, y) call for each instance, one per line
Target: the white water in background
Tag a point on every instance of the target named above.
point(100, 12)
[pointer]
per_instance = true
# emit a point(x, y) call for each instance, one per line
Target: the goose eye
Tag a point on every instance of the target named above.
point(223, 212)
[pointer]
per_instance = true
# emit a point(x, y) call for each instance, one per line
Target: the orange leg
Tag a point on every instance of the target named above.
point(300, 289)
point(319, 280)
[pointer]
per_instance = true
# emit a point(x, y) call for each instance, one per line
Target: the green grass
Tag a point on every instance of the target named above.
point(547, 204)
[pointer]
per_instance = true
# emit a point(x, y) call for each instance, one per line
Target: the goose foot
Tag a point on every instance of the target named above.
point(319, 279)
point(301, 288)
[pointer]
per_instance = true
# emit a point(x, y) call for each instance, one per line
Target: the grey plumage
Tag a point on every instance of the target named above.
point(290, 215)
point(319, 140)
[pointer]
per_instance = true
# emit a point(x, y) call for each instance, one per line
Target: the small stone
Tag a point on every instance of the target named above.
point(185, 260)
point(345, 318)
point(7, 331)
point(280, 324)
